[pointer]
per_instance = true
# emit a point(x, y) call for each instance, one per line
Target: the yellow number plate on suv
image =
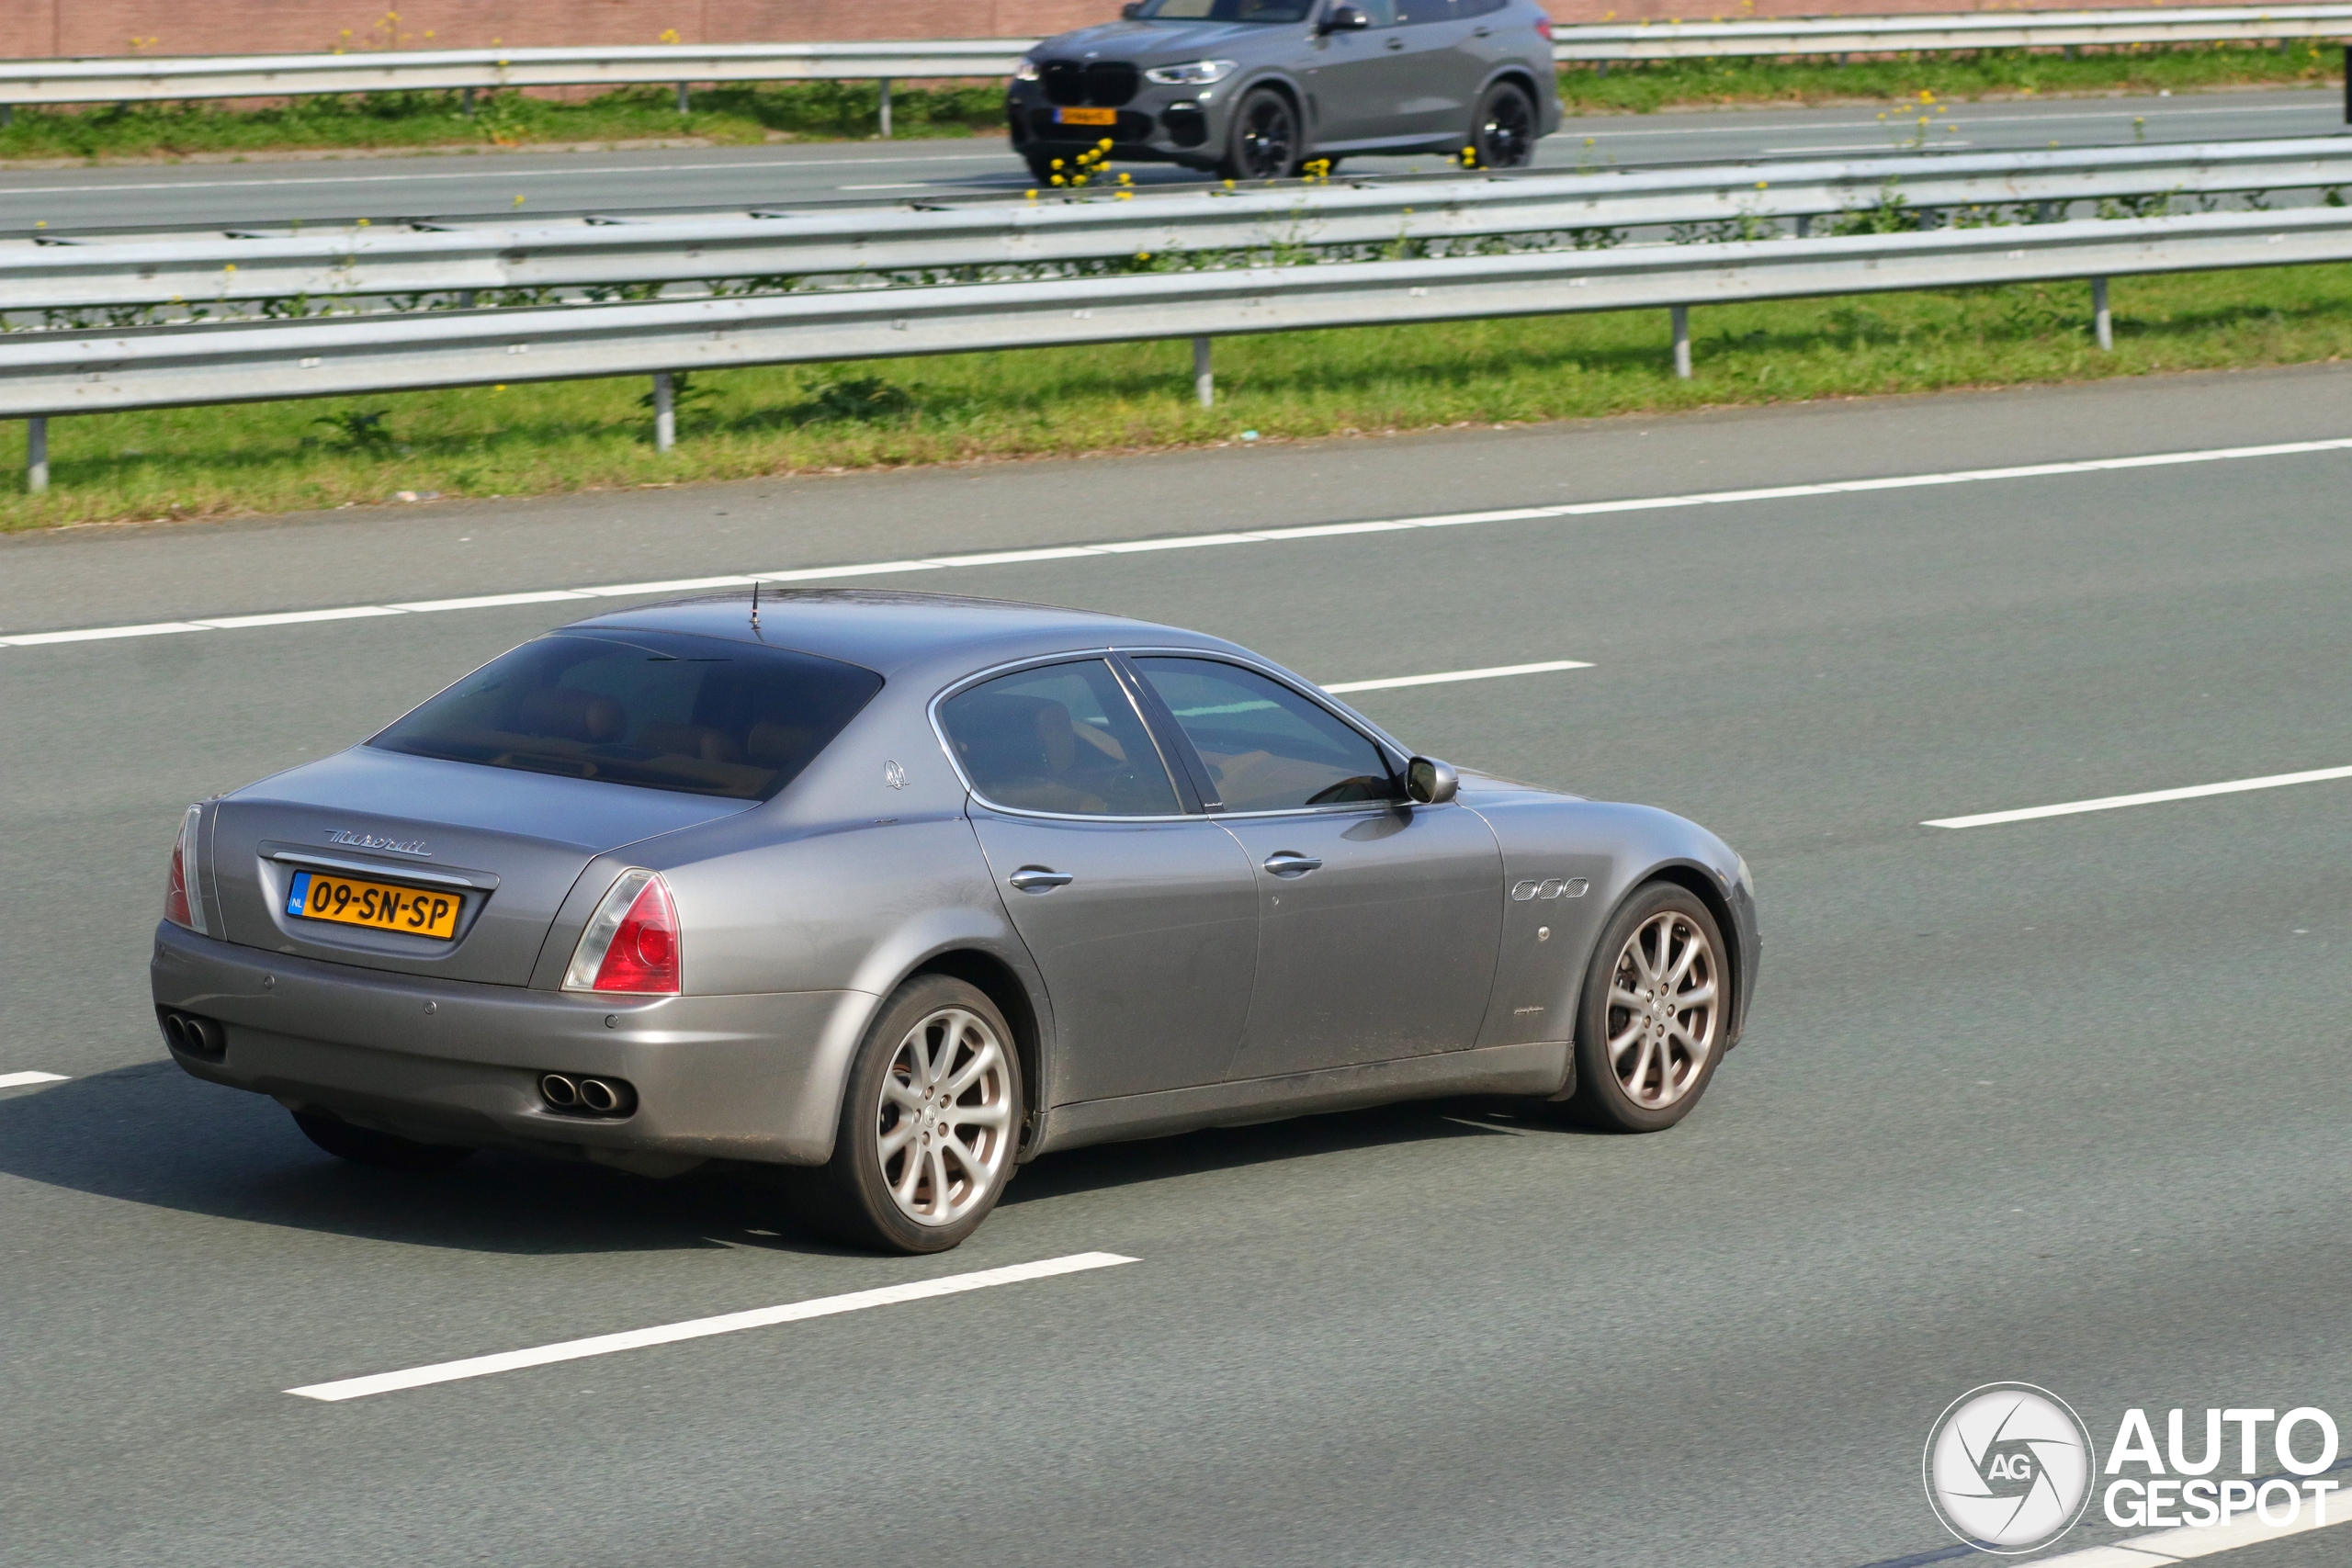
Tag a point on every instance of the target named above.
point(349, 901)
point(1086, 116)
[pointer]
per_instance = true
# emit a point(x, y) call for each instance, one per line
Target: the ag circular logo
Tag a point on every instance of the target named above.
point(2008, 1467)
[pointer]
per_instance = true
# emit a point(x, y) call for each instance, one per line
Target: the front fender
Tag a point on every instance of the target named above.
point(1554, 842)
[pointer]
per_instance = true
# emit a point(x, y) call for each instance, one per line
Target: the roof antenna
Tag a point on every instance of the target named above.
point(755, 604)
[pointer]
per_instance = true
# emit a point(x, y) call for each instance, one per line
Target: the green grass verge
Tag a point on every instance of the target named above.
point(1060, 401)
point(1993, 73)
point(847, 109)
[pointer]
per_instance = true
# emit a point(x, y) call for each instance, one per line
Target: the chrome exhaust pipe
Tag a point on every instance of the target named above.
point(600, 1097)
point(203, 1035)
point(560, 1091)
point(175, 1031)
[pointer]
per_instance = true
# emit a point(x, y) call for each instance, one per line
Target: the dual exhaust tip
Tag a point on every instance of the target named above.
point(587, 1096)
point(193, 1036)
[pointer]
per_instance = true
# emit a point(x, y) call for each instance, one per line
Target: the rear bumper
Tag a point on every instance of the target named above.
point(750, 1077)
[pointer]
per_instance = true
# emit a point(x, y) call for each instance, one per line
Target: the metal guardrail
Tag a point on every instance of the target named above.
point(58, 373)
point(175, 77)
point(355, 262)
point(1981, 30)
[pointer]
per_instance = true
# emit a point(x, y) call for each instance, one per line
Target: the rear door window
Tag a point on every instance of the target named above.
point(1266, 746)
point(1064, 738)
point(656, 710)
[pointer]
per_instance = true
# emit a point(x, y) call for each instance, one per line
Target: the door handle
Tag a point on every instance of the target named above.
point(1480, 32)
point(1396, 43)
point(1289, 862)
point(1039, 879)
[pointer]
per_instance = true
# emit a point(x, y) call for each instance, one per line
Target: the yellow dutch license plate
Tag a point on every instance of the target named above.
point(1086, 116)
point(347, 900)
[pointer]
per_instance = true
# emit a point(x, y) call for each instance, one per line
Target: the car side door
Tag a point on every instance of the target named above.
point(1141, 913)
point(1379, 920)
point(1354, 80)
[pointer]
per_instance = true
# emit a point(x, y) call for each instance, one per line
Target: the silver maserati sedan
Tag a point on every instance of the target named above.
point(898, 891)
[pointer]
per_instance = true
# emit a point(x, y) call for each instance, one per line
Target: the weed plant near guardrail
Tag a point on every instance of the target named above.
point(825, 110)
point(568, 436)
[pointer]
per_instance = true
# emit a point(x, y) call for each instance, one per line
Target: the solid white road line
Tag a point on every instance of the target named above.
point(1450, 675)
point(2161, 1548)
point(1199, 541)
point(489, 171)
point(18, 1080)
point(702, 1327)
point(2153, 798)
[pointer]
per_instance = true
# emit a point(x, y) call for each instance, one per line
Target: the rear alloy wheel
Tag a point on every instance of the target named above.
point(1264, 144)
point(1502, 133)
point(1651, 1023)
point(928, 1127)
point(365, 1146)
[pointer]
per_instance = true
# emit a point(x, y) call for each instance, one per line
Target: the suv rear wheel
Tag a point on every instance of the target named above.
point(1264, 143)
point(1502, 133)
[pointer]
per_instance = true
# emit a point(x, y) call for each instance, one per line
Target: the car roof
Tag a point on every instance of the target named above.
point(892, 632)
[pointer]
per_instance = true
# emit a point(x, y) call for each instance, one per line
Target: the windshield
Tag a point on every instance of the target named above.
point(655, 710)
point(1224, 10)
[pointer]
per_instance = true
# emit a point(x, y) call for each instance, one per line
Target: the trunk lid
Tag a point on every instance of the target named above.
point(505, 845)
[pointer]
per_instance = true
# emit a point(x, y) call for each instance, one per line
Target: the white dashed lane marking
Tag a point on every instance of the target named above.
point(25, 1080)
point(1448, 676)
point(702, 1327)
point(2151, 797)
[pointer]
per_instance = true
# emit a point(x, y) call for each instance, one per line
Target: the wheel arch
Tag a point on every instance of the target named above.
point(994, 978)
point(1701, 885)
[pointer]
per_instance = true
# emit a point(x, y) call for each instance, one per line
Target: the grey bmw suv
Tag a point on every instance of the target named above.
point(1255, 89)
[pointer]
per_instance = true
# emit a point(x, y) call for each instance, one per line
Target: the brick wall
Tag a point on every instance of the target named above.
point(39, 28)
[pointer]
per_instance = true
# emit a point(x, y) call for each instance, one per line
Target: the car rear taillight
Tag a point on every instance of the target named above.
point(182, 905)
point(1543, 27)
point(632, 942)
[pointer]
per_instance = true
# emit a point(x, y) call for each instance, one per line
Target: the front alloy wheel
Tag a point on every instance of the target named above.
point(1650, 1027)
point(930, 1122)
point(1265, 139)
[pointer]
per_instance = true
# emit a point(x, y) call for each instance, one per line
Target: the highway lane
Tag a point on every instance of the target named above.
point(2060, 1100)
point(477, 183)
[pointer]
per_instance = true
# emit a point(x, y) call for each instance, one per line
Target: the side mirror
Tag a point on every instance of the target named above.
point(1132, 9)
point(1344, 20)
point(1429, 782)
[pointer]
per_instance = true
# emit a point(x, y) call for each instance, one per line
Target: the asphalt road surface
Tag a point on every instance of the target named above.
point(457, 185)
point(2055, 1101)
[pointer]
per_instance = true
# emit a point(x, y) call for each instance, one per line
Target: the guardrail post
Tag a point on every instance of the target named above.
point(885, 108)
point(665, 412)
point(8, 112)
point(685, 104)
point(2347, 86)
point(1682, 342)
point(465, 101)
point(1203, 381)
point(2102, 323)
point(37, 454)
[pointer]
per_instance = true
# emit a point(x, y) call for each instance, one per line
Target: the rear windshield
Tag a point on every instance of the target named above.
point(1226, 10)
point(656, 710)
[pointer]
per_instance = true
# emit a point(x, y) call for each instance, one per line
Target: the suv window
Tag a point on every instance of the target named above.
point(657, 710)
point(1062, 738)
point(1267, 748)
point(1226, 10)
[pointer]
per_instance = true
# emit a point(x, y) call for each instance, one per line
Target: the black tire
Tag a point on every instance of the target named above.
point(364, 1145)
point(1669, 1053)
point(1503, 131)
point(896, 1199)
point(1263, 143)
